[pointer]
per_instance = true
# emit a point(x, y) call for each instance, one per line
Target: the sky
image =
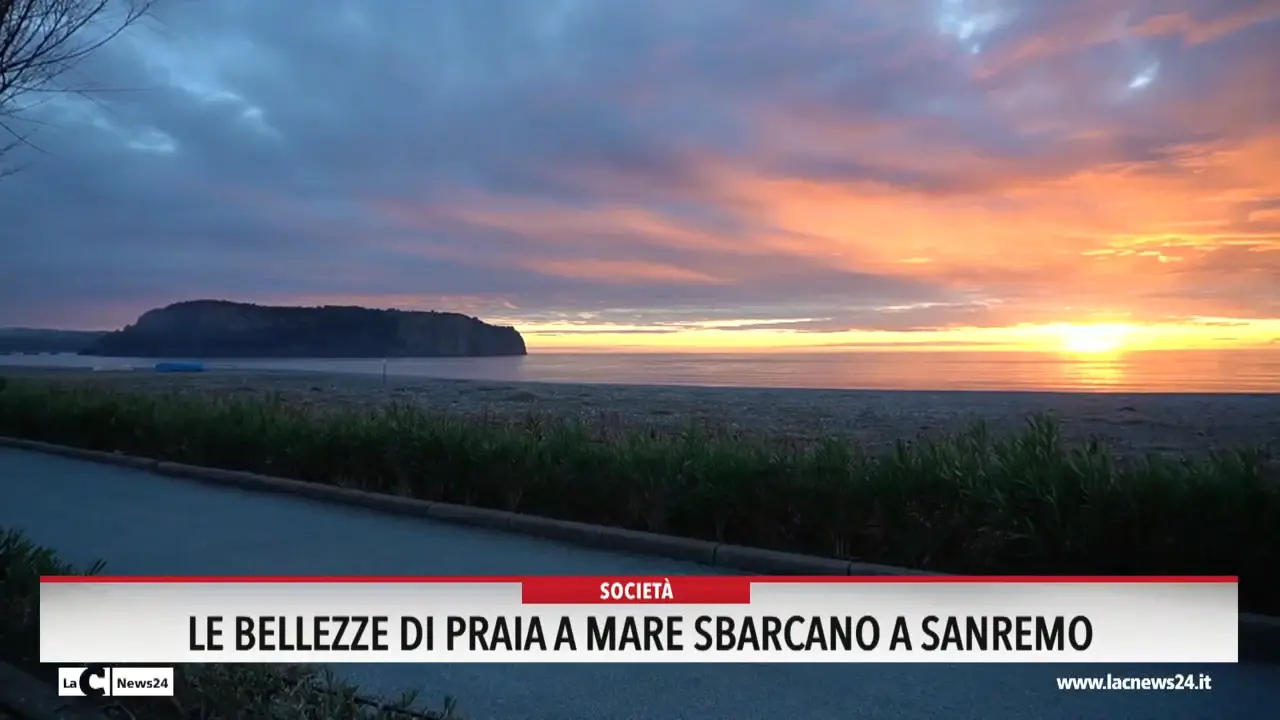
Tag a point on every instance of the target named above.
point(666, 174)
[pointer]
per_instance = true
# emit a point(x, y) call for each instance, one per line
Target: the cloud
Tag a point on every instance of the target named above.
point(809, 167)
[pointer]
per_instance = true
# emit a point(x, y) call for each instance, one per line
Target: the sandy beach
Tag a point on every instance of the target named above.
point(1130, 423)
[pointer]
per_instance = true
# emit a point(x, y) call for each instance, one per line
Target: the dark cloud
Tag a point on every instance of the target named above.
point(650, 163)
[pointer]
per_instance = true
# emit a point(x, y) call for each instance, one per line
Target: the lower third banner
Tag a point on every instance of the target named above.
point(115, 620)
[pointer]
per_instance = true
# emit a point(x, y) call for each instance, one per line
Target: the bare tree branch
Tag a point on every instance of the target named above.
point(7, 171)
point(40, 40)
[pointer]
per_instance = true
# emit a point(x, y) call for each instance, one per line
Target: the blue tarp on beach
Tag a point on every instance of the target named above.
point(179, 367)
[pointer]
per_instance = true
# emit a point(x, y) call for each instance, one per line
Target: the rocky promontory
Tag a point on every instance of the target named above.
point(223, 329)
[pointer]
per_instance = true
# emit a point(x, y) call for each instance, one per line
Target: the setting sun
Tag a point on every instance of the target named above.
point(1093, 339)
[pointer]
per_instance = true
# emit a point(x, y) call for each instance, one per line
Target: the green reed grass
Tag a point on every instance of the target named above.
point(279, 692)
point(970, 503)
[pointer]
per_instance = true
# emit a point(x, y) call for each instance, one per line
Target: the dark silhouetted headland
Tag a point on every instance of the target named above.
point(36, 340)
point(222, 329)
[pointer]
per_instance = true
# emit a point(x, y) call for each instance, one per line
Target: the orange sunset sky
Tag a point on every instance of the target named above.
point(1088, 175)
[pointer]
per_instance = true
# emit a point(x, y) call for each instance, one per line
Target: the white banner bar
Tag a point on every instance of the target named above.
point(845, 620)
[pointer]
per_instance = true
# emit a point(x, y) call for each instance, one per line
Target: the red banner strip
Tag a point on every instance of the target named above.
point(728, 590)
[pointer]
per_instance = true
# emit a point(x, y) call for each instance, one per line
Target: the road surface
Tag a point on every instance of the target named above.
point(146, 524)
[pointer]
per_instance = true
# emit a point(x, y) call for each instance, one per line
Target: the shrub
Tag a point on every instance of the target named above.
point(280, 692)
point(970, 503)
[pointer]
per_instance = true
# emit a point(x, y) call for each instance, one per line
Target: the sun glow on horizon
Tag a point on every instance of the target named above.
point(1094, 339)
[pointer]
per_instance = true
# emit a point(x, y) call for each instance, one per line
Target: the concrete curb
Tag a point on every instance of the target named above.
point(76, 453)
point(1259, 634)
point(583, 534)
point(30, 699)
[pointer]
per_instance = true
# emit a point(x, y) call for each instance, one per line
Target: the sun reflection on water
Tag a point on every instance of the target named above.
point(1096, 371)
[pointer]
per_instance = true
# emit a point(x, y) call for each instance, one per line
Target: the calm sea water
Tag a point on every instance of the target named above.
point(1256, 371)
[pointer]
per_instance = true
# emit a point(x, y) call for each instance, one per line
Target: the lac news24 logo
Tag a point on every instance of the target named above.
point(100, 681)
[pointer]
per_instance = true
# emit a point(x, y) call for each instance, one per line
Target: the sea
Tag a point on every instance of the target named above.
point(1171, 371)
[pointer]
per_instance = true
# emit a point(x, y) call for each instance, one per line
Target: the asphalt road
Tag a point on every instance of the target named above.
point(146, 524)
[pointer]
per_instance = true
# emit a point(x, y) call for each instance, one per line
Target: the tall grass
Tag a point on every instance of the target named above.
point(970, 503)
point(22, 563)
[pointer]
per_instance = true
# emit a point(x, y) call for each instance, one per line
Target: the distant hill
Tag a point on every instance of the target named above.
point(222, 329)
point(36, 340)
